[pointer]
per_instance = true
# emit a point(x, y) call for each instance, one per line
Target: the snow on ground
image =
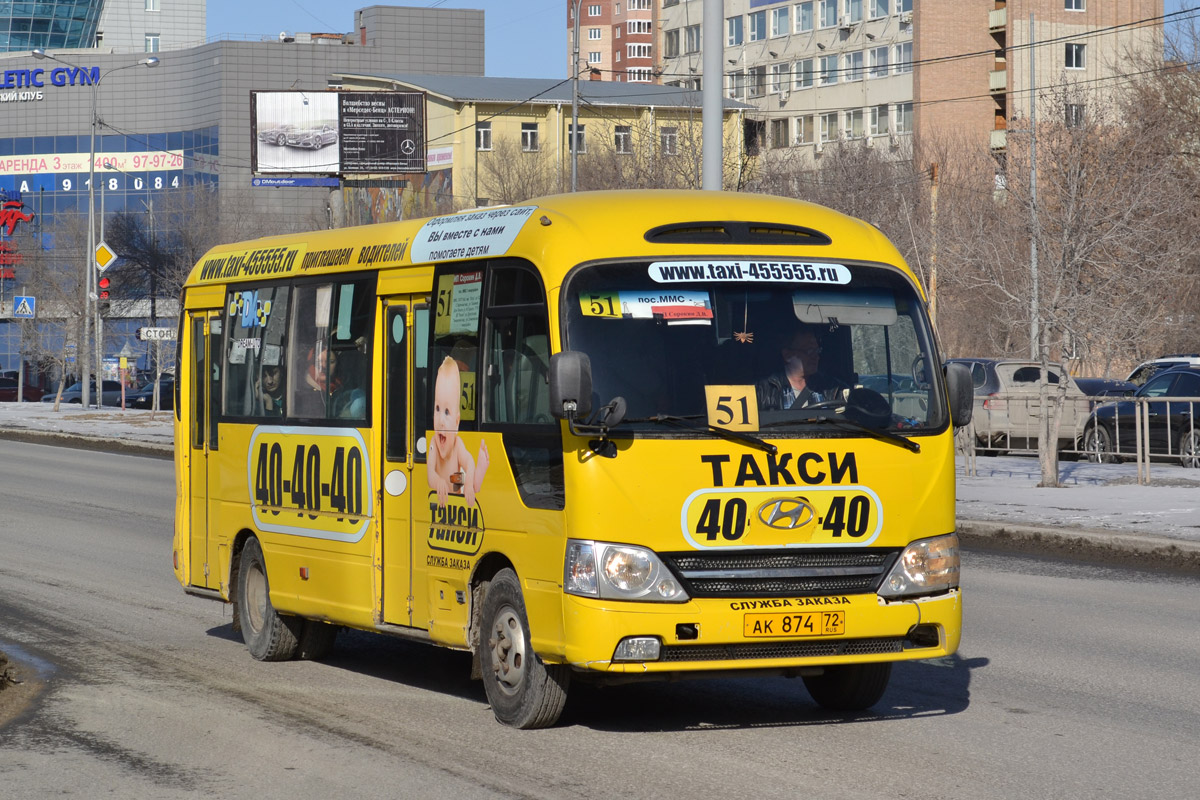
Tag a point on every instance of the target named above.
point(1004, 489)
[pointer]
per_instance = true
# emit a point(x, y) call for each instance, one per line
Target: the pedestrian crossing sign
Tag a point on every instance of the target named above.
point(24, 306)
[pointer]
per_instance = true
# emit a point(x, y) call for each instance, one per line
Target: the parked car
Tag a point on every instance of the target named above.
point(315, 138)
point(144, 397)
point(275, 134)
point(8, 391)
point(1008, 403)
point(1105, 387)
point(74, 393)
point(1173, 425)
point(1148, 369)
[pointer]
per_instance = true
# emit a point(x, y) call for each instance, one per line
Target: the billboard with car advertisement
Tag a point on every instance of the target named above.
point(337, 133)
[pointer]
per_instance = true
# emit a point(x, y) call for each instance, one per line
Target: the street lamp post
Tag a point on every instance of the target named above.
point(89, 276)
point(574, 138)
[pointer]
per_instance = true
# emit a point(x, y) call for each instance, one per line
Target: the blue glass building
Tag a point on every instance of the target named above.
point(56, 23)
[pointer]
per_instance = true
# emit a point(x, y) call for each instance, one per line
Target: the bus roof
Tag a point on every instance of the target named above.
point(560, 231)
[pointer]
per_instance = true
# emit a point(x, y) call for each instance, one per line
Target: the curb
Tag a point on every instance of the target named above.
point(1109, 547)
point(56, 439)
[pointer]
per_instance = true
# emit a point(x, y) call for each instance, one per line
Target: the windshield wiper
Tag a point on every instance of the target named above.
point(845, 422)
point(724, 433)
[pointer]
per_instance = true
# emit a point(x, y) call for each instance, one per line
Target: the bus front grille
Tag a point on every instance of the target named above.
point(781, 573)
point(793, 649)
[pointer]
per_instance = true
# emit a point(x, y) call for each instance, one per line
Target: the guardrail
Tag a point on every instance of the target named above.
point(1148, 429)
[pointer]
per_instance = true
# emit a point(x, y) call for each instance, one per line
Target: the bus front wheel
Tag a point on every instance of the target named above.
point(849, 687)
point(269, 636)
point(524, 691)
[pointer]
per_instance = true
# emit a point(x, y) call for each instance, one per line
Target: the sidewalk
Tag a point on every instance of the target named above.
point(1100, 511)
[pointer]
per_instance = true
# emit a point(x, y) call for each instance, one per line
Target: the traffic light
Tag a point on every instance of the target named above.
point(103, 289)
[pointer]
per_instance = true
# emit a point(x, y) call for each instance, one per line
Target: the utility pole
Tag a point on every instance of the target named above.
point(1034, 304)
point(573, 142)
point(712, 133)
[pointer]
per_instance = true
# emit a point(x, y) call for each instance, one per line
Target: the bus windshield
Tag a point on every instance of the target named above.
point(803, 343)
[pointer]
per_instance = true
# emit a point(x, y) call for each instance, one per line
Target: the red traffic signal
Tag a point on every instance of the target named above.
point(103, 286)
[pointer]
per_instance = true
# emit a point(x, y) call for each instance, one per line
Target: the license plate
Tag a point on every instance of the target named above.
point(816, 623)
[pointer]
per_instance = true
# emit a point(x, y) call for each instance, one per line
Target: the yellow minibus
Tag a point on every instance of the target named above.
point(602, 436)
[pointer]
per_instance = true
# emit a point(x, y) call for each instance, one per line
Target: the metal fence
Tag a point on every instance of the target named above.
point(1148, 429)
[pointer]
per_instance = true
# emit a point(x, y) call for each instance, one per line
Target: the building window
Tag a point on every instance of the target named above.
point(780, 25)
point(1069, 5)
point(758, 26)
point(691, 39)
point(735, 85)
point(854, 66)
point(829, 126)
point(903, 58)
point(879, 8)
point(483, 136)
point(668, 141)
point(639, 5)
point(854, 124)
point(904, 6)
point(671, 43)
point(1076, 54)
point(595, 57)
point(780, 135)
point(854, 10)
point(803, 74)
point(879, 120)
point(829, 70)
point(577, 139)
point(828, 13)
point(804, 17)
point(638, 50)
point(757, 81)
point(637, 75)
point(803, 130)
point(904, 120)
point(1074, 115)
point(594, 34)
point(780, 81)
point(623, 139)
point(636, 26)
point(151, 42)
point(594, 10)
point(152, 5)
point(529, 137)
point(733, 31)
point(879, 62)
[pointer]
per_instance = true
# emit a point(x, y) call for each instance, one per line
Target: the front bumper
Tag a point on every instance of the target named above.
point(707, 635)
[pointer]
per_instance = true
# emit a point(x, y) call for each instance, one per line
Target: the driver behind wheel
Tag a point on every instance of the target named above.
point(798, 384)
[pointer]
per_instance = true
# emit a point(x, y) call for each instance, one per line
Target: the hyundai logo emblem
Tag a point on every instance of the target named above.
point(786, 513)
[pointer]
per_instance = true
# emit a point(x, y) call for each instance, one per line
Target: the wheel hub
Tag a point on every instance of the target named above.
point(507, 644)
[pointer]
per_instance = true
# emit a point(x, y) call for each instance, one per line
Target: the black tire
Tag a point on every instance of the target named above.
point(849, 687)
point(1189, 449)
point(1097, 444)
point(269, 636)
point(524, 691)
point(316, 640)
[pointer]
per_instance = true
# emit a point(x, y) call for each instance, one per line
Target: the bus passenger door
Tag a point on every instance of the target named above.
point(204, 337)
point(400, 328)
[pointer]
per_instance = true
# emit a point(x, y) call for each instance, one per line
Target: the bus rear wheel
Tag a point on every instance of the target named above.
point(524, 691)
point(269, 636)
point(849, 687)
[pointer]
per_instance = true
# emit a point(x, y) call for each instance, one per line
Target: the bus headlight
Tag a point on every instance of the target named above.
point(618, 572)
point(927, 566)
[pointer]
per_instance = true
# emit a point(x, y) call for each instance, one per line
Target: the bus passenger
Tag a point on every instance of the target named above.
point(451, 468)
point(270, 389)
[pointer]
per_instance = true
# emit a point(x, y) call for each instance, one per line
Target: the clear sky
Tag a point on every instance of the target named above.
point(522, 38)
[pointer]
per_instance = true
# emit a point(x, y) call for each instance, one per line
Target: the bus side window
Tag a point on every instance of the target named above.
point(517, 393)
point(256, 326)
point(397, 385)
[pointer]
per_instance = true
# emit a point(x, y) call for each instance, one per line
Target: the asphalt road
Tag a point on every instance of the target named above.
point(1072, 681)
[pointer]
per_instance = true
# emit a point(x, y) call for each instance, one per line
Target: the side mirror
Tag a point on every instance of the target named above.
point(570, 385)
point(962, 394)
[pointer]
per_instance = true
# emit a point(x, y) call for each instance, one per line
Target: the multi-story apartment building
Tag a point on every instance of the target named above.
point(881, 70)
point(618, 40)
point(962, 47)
